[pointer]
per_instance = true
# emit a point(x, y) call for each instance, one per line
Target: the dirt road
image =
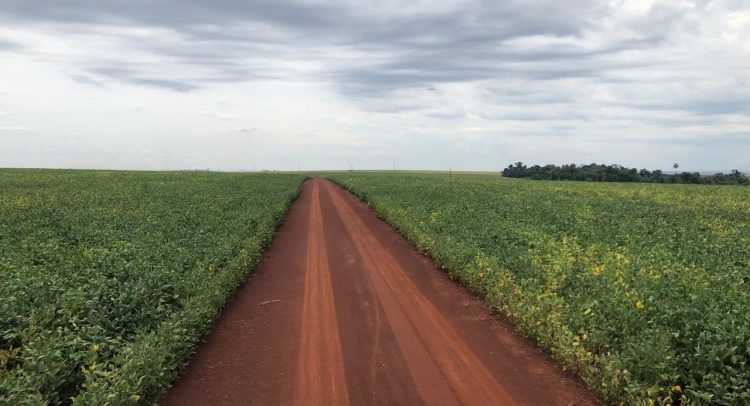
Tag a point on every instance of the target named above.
point(342, 310)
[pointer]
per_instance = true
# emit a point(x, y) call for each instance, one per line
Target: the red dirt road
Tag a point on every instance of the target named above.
point(342, 310)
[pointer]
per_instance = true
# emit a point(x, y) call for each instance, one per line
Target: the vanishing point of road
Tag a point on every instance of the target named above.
point(342, 311)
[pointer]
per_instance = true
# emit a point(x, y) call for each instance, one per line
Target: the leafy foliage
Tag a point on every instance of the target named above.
point(109, 279)
point(617, 173)
point(640, 289)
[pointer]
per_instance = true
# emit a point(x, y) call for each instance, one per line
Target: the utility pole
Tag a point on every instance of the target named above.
point(394, 167)
point(298, 166)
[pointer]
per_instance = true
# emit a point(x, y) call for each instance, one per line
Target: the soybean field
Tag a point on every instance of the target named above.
point(109, 279)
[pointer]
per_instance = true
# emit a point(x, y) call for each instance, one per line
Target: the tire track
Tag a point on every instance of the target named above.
point(320, 366)
point(444, 368)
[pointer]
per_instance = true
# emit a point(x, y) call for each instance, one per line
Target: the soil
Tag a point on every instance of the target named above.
point(342, 310)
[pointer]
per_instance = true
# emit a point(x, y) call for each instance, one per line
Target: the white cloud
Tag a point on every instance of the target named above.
point(17, 128)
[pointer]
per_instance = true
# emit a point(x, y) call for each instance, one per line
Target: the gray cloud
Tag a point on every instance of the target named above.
point(363, 49)
point(86, 79)
point(169, 13)
point(133, 76)
point(7, 45)
point(392, 50)
point(544, 67)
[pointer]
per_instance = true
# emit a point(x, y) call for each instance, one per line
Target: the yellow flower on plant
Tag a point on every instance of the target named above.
point(597, 270)
point(677, 389)
point(639, 305)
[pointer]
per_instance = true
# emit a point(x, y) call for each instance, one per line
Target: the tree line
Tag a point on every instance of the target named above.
point(616, 173)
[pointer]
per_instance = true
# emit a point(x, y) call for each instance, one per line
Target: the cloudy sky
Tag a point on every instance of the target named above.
point(476, 85)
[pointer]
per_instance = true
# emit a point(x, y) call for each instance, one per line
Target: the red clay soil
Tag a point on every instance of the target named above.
point(342, 310)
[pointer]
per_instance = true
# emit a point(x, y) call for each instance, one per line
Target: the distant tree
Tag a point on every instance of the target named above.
point(657, 176)
point(617, 173)
point(739, 177)
point(690, 177)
